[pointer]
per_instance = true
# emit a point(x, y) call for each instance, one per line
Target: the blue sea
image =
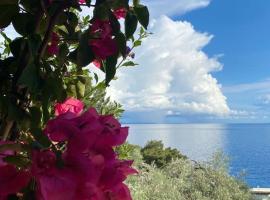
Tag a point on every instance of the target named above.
point(247, 145)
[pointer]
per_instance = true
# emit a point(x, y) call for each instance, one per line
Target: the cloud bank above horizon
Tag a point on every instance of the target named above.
point(174, 74)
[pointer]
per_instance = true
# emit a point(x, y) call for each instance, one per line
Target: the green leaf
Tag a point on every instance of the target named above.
point(36, 116)
point(142, 15)
point(30, 77)
point(80, 89)
point(131, 23)
point(72, 20)
point(110, 68)
point(88, 2)
point(24, 23)
point(63, 53)
point(114, 24)
point(136, 2)
point(41, 137)
point(34, 42)
point(7, 13)
point(83, 55)
point(16, 46)
point(17, 160)
point(31, 5)
point(122, 43)
point(137, 43)
point(96, 77)
point(101, 11)
point(129, 64)
point(15, 112)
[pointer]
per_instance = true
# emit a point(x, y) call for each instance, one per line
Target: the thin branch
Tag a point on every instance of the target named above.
point(7, 129)
point(49, 31)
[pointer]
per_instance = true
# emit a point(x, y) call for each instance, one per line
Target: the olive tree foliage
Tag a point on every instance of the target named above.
point(181, 178)
point(155, 152)
point(184, 180)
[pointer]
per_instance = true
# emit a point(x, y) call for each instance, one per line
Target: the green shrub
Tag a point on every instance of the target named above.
point(183, 179)
point(154, 152)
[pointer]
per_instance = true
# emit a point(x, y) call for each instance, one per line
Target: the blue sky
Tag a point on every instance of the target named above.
point(242, 33)
point(213, 63)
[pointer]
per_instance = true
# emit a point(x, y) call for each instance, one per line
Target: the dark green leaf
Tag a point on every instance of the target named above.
point(16, 46)
point(101, 11)
point(30, 5)
point(88, 2)
point(24, 23)
point(110, 68)
point(36, 116)
point(122, 43)
point(7, 13)
point(83, 55)
point(59, 160)
point(63, 53)
point(15, 112)
point(30, 77)
point(131, 23)
point(96, 77)
point(17, 160)
point(114, 24)
point(41, 137)
point(72, 20)
point(142, 15)
point(34, 42)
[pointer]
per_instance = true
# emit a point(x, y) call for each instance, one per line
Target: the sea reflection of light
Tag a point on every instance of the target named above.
point(198, 141)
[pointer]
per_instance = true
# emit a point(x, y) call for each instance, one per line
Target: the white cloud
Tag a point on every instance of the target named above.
point(174, 73)
point(173, 7)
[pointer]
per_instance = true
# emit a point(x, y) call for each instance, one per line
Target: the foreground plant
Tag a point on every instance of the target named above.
point(70, 155)
point(81, 164)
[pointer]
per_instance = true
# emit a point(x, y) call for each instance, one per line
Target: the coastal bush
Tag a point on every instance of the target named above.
point(183, 179)
point(154, 152)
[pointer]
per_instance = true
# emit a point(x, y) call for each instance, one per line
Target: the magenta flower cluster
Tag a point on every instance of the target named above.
point(87, 168)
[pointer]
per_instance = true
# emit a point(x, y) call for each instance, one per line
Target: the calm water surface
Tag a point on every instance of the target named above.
point(248, 145)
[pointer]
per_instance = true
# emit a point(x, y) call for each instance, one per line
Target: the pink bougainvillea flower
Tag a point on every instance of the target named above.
point(12, 180)
point(91, 169)
point(81, 1)
point(103, 45)
point(101, 29)
point(120, 13)
point(119, 192)
point(61, 128)
point(5, 153)
point(112, 180)
point(104, 48)
point(53, 183)
point(52, 47)
point(70, 105)
point(97, 63)
point(112, 134)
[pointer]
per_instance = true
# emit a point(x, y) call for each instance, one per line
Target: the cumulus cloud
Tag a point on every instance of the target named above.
point(172, 7)
point(174, 73)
